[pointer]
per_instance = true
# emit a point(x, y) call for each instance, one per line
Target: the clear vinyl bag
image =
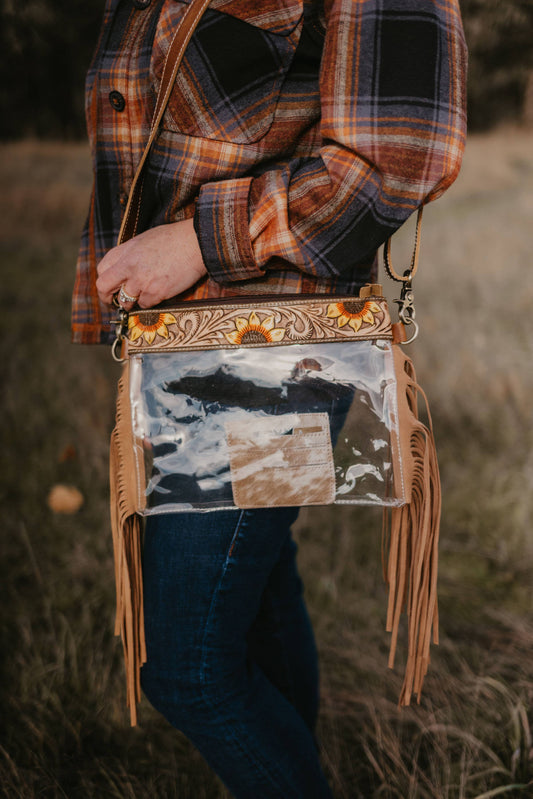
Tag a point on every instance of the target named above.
point(264, 419)
point(254, 403)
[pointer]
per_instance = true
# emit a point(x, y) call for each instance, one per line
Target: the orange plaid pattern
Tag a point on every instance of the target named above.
point(299, 134)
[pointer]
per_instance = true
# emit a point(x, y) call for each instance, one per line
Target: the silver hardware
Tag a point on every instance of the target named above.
point(406, 308)
point(121, 328)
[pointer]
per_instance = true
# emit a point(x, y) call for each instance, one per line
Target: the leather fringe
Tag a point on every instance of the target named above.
point(411, 534)
point(127, 546)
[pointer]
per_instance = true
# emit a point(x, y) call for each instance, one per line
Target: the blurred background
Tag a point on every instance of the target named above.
point(64, 729)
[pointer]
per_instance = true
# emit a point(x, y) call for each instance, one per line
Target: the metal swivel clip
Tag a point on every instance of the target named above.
point(121, 329)
point(406, 307)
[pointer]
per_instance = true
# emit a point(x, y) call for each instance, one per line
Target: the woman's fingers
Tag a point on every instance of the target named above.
point(115, 272)
point(155, 265)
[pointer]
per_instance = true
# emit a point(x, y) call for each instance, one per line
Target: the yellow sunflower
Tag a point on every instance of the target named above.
point(253, 331)
point(153, 322)
point(353, 312)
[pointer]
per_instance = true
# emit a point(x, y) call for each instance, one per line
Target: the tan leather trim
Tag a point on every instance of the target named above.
point(399, 336)
point(371, 290)
point(126, 527)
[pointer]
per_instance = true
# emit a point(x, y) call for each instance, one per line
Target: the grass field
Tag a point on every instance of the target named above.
point(64, 728)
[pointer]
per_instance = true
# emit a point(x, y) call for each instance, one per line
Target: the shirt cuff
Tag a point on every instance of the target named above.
point(222, 223)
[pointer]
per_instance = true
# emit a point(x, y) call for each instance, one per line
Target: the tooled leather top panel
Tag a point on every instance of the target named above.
point(258, 323)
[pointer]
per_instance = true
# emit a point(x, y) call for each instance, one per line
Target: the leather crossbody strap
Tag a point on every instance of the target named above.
point(181, 39)
point(409, 274)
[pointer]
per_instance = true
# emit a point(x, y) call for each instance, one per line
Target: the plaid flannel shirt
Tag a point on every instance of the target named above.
point(300, 134)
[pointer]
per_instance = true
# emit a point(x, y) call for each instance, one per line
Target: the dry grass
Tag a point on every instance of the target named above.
point(64, 730)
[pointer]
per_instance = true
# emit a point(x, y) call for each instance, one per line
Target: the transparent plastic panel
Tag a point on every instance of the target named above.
point(255, 427)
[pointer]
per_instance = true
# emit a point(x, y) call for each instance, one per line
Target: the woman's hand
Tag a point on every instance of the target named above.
point(153, 266)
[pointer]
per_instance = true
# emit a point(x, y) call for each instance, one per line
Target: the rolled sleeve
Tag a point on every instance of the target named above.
point(393, 125)
point(392, 133)
point(223, 228)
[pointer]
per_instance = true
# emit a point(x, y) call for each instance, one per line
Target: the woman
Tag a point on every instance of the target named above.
point(299, 135)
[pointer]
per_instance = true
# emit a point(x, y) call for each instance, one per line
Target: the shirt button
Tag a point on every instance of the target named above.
point(123, 198)
point(141, 3)
point(117, 101)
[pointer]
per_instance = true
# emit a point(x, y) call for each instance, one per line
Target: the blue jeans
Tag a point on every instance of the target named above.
point(231, 654)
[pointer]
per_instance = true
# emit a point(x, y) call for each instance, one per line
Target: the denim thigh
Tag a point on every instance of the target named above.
point(231, 655)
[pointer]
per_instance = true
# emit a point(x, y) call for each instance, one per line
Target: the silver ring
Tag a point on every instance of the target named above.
point(123, 297)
